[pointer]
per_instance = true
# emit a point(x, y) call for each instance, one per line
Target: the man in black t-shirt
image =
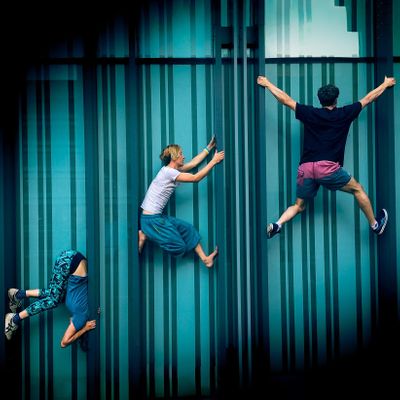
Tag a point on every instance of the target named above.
point(325, 135)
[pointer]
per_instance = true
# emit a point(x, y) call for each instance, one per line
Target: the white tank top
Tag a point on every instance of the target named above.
point(160, 190)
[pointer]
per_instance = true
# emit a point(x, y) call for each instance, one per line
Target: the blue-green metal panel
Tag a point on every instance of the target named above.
point(396, 167)
point(113, 233)
point(51, 203)
point(177, 295)
point(175, 29)
point(338, 265)
point(396, 28)
point(358, 16)
point(303, 28)
point(312, 298)
point(53, 206)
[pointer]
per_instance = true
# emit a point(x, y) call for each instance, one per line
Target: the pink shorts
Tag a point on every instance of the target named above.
point(311, 175)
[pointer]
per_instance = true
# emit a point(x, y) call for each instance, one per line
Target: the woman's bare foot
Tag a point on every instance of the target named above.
point(142, 240)
point(209, 260)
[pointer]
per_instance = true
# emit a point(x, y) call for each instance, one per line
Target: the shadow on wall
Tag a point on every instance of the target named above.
point(28, 32)
point(372, 371)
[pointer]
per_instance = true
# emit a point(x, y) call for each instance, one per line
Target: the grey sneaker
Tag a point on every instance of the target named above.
point(13, 303)
point(9, 326)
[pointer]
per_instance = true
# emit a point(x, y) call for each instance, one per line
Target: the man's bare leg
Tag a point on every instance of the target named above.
point(292, 211)
point(357, 190)
point(207, 260)
point(275, 227)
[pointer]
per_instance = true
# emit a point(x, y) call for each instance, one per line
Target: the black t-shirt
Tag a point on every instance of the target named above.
point(325, 131)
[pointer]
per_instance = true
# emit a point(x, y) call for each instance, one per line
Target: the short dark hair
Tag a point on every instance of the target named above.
point(327, 95)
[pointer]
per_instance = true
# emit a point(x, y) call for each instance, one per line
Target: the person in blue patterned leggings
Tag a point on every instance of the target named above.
point(69, 284)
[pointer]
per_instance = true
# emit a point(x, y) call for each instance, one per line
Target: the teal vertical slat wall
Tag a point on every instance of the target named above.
point(52, 218)
point(397, 187)
point(396, 51)
point(91, 128)
point(53, 206)
point(325, 283)
point(179, 293)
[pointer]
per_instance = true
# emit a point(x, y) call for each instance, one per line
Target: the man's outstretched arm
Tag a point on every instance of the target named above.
point(279, 94)
point(374, 94)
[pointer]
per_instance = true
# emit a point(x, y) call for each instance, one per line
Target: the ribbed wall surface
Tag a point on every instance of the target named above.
point(396, 71)
point(54, 146)
point(179, 300)
point(89, 139)
point(52, 217)
point(322, 268)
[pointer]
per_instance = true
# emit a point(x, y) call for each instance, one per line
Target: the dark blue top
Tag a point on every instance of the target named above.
point(76, 300)
point(76, 259)
point(325, 131)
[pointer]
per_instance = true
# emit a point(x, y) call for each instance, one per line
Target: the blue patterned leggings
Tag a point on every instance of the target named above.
point(54, 295)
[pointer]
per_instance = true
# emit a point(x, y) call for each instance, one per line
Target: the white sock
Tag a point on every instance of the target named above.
point(279, 226)
point(375, 225)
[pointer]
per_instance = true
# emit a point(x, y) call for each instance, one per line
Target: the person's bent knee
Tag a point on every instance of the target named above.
point(300, 205)
point(176, 249)
point(357, 189)
point(301, 208)
point(177, 253)
point(353, 187)
point(360, 188)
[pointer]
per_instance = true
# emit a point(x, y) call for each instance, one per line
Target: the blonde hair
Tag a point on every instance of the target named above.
point(171, 152)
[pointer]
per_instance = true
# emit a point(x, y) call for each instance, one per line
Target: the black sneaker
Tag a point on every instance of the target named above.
point(382, 219)
point(272, 230)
